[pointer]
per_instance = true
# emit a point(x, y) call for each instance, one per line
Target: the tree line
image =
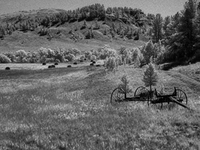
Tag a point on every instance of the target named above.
point(180, 34)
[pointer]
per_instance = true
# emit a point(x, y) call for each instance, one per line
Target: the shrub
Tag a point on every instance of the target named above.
point(88, 54)
point(24, 60)
point(4, 59)
point(110, 64)
point(93, 57)
point(43, 52)
point(55, 63)
point(75, 63)
point(50, 60)
point(75, 51)
point(82, 57)
point(43, 59)
point(20, 54)
point(150, 77)
point(43, 63)
point(11, 56)
point(50, 53)
point(70, 57)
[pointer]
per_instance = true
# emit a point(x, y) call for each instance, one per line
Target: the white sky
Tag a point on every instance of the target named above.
point(164, 7)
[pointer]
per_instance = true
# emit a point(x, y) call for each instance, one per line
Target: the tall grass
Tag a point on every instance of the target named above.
point(76, 114)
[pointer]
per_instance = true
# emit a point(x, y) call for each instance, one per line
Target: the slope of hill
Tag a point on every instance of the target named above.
point(84, 28)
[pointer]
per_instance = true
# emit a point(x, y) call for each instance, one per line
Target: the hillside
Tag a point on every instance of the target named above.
point(84, 28)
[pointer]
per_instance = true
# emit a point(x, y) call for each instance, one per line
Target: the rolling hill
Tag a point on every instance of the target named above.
point(84, 28)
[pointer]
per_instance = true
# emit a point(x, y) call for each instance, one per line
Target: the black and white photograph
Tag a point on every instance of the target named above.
point(99, 74)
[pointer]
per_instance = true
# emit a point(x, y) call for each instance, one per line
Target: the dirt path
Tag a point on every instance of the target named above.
point(190, 86)
point(191, 83)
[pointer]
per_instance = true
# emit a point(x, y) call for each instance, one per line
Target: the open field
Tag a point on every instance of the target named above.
point(69, 108)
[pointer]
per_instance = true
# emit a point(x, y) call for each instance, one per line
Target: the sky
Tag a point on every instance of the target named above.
point(164, 7)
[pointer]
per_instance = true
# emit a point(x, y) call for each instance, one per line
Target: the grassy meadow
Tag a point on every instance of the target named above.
point(69, 108)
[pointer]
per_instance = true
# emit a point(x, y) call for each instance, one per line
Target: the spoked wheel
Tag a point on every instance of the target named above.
point(142, 93)
point(181, 96)
point(117, 96)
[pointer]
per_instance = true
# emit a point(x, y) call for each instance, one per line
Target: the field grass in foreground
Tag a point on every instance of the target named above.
point(69, 108)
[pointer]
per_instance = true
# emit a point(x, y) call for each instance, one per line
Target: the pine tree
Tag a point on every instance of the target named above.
point(157, 28)
point(181, 44)
point(187, 28)
point(150, 77)
point(148, 51)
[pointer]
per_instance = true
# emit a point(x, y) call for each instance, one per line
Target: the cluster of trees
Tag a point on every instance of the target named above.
point(40, 56)
point(180, 33)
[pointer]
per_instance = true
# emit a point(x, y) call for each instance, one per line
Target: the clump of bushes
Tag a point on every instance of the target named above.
point(42, 55)
point(4, 59)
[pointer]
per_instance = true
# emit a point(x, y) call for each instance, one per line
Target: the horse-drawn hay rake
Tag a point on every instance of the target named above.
point(151, 97)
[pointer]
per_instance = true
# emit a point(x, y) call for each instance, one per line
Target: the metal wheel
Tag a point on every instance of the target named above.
point(117, 96)
point(141, 92)
point(181, 96)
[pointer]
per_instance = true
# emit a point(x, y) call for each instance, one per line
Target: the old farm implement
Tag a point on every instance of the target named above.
point(142, 94)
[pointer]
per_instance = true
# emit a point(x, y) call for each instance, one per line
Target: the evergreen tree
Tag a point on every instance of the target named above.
point(148, 51)
point(181, 44)
point(187, 29)
point(150, 77)
point(157, 28)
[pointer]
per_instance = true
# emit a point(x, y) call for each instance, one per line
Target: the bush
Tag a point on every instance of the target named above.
point(43, 52)
point(20, 54)
point(70, 57)
point(75, 63)
point(43, 63)
point(50, 60)
point(43, 59)
point(24, 60)
point(4, 59)
point(93, 57)
point(55, 63)
point(11, 56)
point(110, 63)
point(75, 51)
point(82, 57)
point(88, 54)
